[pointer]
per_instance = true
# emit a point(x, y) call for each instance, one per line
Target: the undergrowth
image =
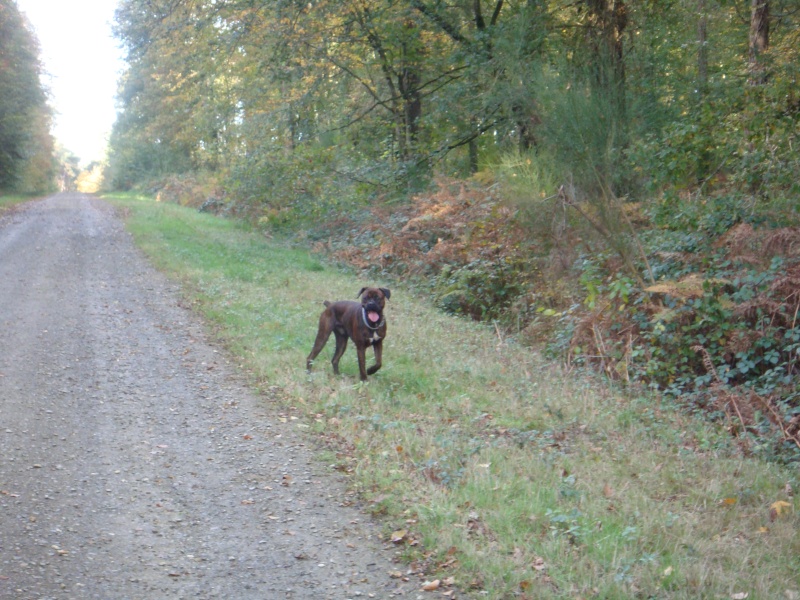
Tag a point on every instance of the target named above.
point(700, 302)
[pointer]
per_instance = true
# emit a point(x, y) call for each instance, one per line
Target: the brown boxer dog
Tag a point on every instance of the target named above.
point(362, 322)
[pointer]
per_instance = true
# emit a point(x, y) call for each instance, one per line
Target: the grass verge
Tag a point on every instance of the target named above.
point(489, 465)
point(9, 201)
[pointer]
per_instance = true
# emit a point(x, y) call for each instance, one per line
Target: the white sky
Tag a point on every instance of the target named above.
point(83, 62)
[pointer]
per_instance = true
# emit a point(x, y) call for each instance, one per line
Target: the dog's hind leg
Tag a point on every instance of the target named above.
point(322, 339)
point(341, 346)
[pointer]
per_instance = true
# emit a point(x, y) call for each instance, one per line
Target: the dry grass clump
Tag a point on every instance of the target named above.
point(188, 190)
point(744, 242)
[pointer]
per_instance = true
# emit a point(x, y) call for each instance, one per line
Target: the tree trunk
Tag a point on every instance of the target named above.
point(759, 39)
point(702, 49)
point(703, 162)
point(473, 156)
point(408, 84)
point(607, 22)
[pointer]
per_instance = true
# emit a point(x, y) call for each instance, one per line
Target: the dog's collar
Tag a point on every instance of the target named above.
point(366, 321)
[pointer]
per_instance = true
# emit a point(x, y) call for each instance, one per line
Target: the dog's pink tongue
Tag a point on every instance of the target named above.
point(373, 316)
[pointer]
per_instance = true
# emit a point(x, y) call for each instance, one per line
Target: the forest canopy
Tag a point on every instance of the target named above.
point(375, 96)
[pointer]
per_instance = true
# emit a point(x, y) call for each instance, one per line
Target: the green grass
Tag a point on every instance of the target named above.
point(511, 475)
point(8, 201)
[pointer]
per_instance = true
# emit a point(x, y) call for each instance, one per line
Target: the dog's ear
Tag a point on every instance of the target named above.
point(386, 293)
point(358, 295)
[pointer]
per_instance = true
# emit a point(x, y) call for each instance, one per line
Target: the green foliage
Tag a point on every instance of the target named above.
point(718, 330)
point(484, 289)
point(297, 189)
point(26, 146)
point(580, 135)
point(605, 93)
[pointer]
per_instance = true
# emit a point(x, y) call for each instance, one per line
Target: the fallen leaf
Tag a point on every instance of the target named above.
point(539, 564)
point(395, 574)
point(780, 507)
point(668, 571)
point(740, 596)
point(476, 584)
point(430, 586)
point(449, 581)
point(524, 585)
point(398, 536)
point(729, 501)
point(788, 489)
point(607, 491)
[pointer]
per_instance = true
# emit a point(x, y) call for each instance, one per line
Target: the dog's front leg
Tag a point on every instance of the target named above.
point(362, 361)
point(378, 347)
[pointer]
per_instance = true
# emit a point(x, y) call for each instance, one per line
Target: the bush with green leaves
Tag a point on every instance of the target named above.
point(719, 331)
point(483, 289)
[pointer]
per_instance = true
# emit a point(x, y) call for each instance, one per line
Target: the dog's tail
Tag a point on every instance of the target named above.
point(326, 303)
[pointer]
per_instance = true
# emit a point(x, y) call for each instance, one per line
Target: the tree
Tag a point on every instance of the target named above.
point(26, 145)
point(294, 103)
point(759, 38)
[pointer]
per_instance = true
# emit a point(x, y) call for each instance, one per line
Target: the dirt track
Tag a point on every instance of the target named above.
point(133, 462)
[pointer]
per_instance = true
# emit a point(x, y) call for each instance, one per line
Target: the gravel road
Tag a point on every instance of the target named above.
point(134, 463)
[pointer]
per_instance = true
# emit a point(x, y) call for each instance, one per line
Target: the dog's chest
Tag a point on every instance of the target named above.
point(373, 337)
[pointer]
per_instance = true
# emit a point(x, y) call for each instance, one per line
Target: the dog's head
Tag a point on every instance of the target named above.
point(373, 300)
